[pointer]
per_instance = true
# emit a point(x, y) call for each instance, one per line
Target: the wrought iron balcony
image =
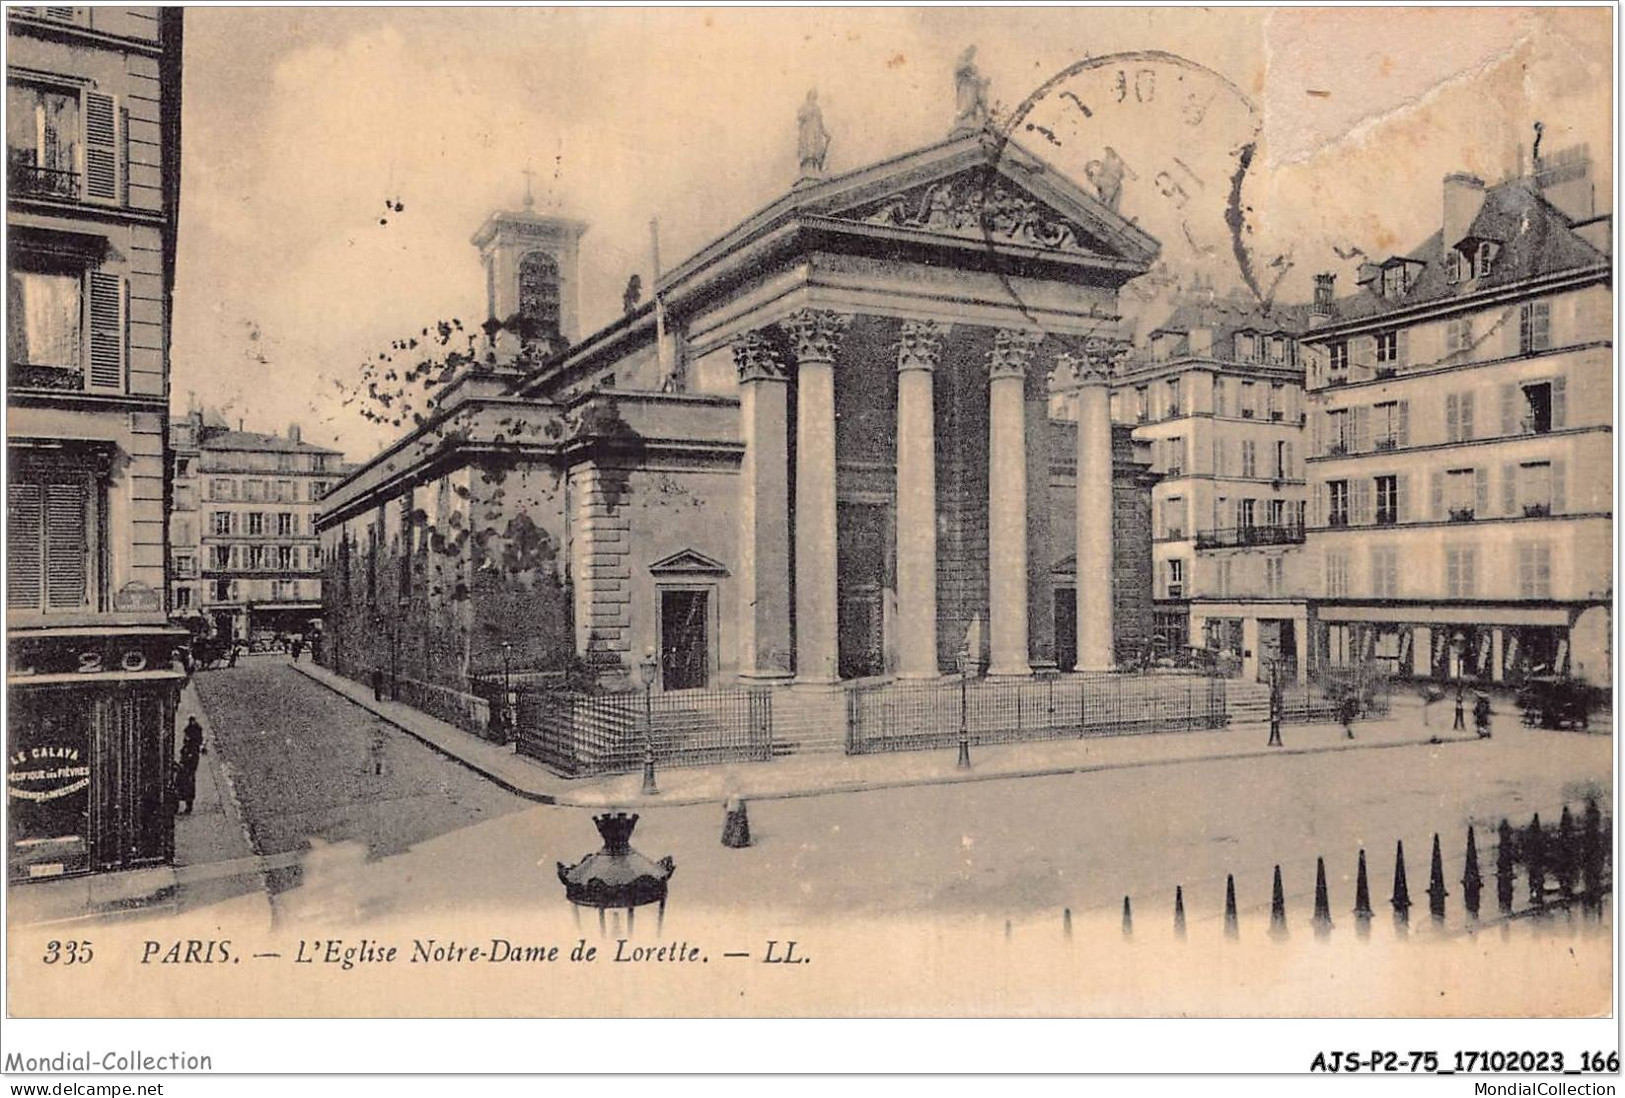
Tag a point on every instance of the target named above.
point(1461, 514)
point(1389, 443)
point(28, 375)
point(1537, 510)
point(1233, 537)
point(24, 178)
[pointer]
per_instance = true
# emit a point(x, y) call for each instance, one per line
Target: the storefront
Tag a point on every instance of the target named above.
point(89, 742)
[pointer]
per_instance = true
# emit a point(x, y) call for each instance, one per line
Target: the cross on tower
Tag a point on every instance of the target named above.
point(530, 199)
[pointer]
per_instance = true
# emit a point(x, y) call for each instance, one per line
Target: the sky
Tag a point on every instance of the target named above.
point(300, 124)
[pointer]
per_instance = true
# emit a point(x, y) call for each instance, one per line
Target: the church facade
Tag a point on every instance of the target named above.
point(864, 434)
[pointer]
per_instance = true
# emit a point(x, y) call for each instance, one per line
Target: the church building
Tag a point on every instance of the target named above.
point(863, 436)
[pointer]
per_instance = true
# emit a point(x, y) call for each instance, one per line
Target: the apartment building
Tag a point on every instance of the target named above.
point(93, 190)
point(1217, 393)
point(247, 558)
point(1461, 441)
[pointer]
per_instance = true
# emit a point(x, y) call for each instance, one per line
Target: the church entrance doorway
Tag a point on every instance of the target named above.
point(685, 648)
point(861, 610)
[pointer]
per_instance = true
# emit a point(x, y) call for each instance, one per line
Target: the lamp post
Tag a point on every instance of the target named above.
point(964, 728)
point(377, 671)
point(646, 671)
point(507, 688)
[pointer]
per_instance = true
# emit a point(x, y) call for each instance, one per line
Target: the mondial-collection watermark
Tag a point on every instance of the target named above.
point(134, 1060)
point(1543, 1090)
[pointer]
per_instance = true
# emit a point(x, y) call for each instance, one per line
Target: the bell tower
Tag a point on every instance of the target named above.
point(532, 275)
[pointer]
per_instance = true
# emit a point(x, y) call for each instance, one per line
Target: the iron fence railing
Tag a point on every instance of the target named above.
point(577, 733)
point(923, 715)
point(467, 711)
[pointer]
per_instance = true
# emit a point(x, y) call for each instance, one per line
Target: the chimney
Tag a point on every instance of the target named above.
point(1564, 180)
point(293, 432)
point(239, 423)
point(1324, 284)
point(1463, 198)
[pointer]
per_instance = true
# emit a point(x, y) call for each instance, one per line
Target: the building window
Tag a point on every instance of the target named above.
point(1340, 435)
point(1535, 488)
point(1534, 570)
point(45, 321)
point(1249, 458)
point(1537, 416)
point(1142, 403)
point(221, 488)
point(256, 524)
point(184, 565)
point(1534, 326)
point(1175, 459)
point(1387, 500)
point(1278, 355)
point(254, 490)
point(1283, 460)
point(319, 463)
point(62, 143)
point(54, 548)
point(1219, 404)
point(1274, 575)
point(220, 523)
point(183, 598)
point(1485, 259)
point(1337, 361)
point(1337, 575)
point(253, 558)
point(1458, 417)
point(1384, 572)
point(1277, 402)
point(1176, 579)
point(318, 489)
point(1337, 499)
point(1173, 518)
point(1458, 335)
point(1461, 494)
point(1455, 267)
point(538, 297)
point(1391, 425)
point(1275, 513)
point(1249, 400)
point(1173, 396)
point(285, 558)
point(1460, 572)
point(284, 463)
point(1246, 513)
point(287, 490)
point(222, 590)
point(284, 524)
point(220, 557)
point(1387, 348)
point(282, 590)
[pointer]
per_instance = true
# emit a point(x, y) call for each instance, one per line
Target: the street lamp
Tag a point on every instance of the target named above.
point(507, 688)
point(646, 671)
point(377, 671)
point(964, 729)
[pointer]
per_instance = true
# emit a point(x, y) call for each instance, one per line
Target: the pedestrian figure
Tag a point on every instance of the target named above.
point(1481, 715)
point(231, 660)
point(1347, 710)
point(377, 684)
point(298, 647)
point(185, 771)
point(1461, 713)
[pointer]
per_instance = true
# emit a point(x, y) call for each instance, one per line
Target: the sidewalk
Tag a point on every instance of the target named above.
point(821, 774)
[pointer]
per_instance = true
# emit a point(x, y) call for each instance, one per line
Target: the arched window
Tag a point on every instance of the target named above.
point(538, 297)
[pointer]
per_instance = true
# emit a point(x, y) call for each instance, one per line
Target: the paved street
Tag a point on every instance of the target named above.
point(436, 837)
point(308, 767)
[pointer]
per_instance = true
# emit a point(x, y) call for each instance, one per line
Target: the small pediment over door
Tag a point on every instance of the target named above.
point(688, 562)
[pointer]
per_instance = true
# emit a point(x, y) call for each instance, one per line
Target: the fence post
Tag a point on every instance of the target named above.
point(1505, 869)
point(1472, 882)
point(1323, 904)
point(1401, 898)
point(1362, 900)
point(1232, 928)
point(1535, 860)
point(1436, 889)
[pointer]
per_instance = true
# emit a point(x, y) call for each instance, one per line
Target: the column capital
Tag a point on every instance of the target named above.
point(1095, 361)
point(919, 346)
point(815, 334)
point(1013, 349)
point(756, 358)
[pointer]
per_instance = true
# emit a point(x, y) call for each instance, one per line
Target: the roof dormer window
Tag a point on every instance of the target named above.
point(1455, 267)
point(1485, 258)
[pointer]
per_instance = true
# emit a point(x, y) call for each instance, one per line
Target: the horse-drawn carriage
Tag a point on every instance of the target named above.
point(1557, 701)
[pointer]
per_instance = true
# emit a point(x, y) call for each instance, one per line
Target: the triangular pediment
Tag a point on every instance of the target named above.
point(997, 195)
point(688, 562)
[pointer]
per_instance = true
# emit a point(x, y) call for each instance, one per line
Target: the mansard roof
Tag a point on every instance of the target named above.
point(1535, 240)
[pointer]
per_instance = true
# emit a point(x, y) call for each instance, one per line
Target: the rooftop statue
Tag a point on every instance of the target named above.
point(970, 94)
point(812, 143)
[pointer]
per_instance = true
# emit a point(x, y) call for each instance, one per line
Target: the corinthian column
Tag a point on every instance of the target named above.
point(815, 337)
point(1091, 372)
point(1007, 501)
point(917, 353)
point(764, 511)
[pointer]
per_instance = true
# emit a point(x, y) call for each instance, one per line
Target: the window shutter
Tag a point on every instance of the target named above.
point(1319, 517)
point(1466, 417)
point(1317, 431)
point(101, 148)
point(1559, 489)
point(1402, 347)
point(1288, 465)
point(1543, 571)
point(106, 331)
point(1438, 494)
point(25, 520)
point(1402, 432)
point(1362, 429)
point(1509, 408)
point(1362, 502)
point(66, 573)
point(1509, 489)
point(1560, 402)
point(1452, 418)
point(1402, 497)
point(1481, 487)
